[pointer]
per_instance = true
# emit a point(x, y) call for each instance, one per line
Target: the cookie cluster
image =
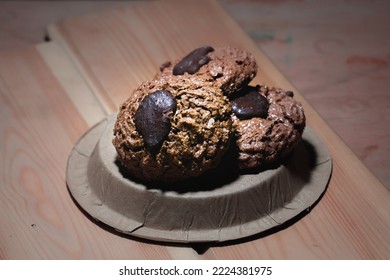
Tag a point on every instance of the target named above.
point(181, 123)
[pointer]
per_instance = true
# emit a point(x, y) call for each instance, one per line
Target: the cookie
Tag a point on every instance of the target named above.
point(227, 68)
point(172, 128)
point(268, 123)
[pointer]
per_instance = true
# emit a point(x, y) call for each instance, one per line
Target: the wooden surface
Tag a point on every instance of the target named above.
point(335, 54)
point(52, 93)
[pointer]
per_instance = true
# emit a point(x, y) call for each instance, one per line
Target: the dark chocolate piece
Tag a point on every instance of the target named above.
point(290, 93)
point(253, 104)
point(193, 61)
point(152, 118)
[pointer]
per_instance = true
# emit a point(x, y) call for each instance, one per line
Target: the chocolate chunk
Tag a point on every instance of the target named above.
point(193, 61)
point(252, 104)
point(290, 93)
point(152, 118)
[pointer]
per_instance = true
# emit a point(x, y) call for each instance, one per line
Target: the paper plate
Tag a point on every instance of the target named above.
point(219, 206)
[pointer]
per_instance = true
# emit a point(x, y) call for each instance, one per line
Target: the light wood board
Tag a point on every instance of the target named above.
point(51, 94)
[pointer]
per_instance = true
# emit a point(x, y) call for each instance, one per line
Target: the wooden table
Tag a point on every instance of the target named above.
point(52, 93)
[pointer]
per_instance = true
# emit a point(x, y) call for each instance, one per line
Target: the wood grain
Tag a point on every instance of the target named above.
point(340, 58)
point(340, 66)
point(353, 218)
point(110, 53)
point(38, 128)
point(35, 143)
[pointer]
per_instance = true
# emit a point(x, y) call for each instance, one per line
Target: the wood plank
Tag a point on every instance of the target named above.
point(73, 84)
point(39, 124)
point(119, 49)
point(342, 73)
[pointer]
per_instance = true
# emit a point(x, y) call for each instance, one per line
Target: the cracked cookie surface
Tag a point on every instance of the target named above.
point(201, 128)
point(264, 140)
point(227, 68)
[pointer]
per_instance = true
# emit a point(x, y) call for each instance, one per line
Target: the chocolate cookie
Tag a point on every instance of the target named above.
point(172, 129)
point(227, 68)
point(268, 123)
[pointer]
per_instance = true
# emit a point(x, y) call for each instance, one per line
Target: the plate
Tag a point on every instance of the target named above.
point(218, 206)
